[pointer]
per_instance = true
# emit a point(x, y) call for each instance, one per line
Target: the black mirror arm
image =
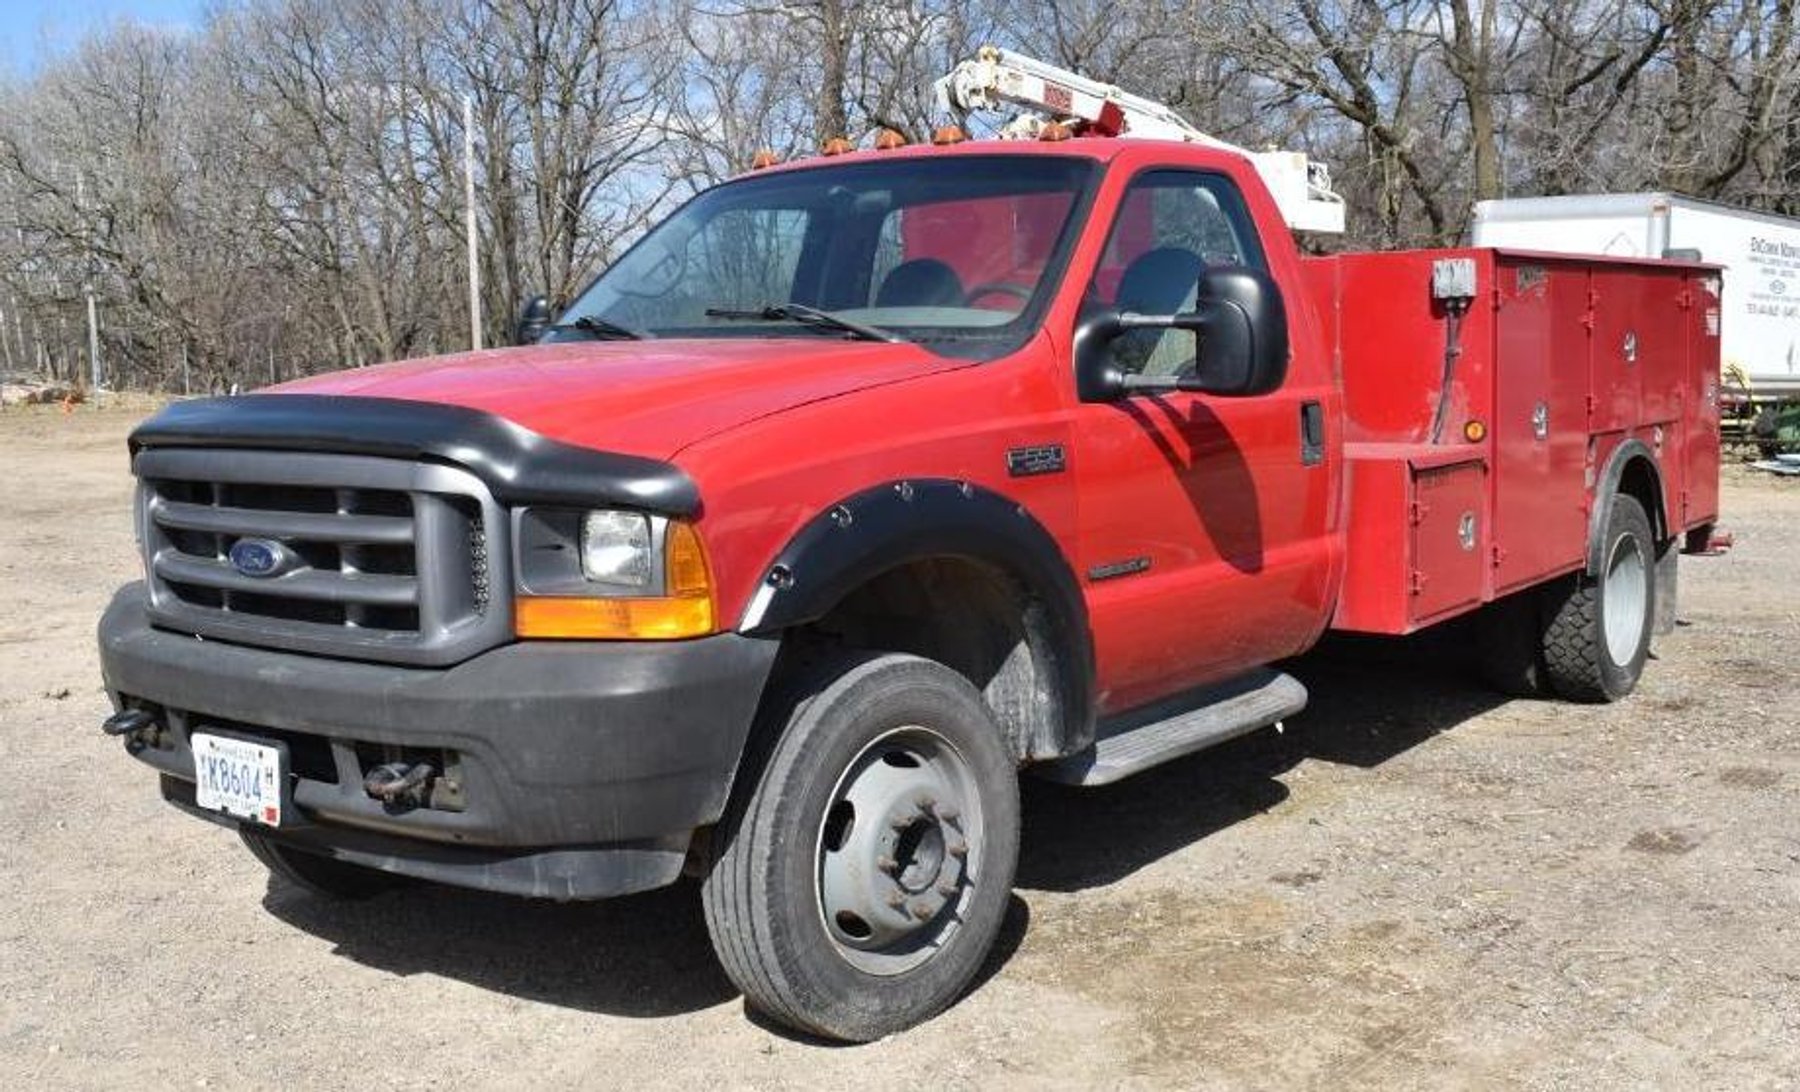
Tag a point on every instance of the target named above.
point(1196, 321)
point(1158, 384)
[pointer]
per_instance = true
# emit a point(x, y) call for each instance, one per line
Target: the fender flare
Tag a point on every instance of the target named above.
point(1606, 487)
point(890, 525)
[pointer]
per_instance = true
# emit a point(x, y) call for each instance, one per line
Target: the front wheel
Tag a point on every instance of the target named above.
point(862, 879)
point(1598, 635)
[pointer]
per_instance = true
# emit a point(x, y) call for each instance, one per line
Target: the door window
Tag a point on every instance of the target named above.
point(1171, 227)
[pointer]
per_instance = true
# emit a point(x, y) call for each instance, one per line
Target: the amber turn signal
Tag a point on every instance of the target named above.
point(1475, 432)
point(837, 146)
point(763, 159)
point(684, 610)
point(949, 134)
point(889, 139)
point(660, 619)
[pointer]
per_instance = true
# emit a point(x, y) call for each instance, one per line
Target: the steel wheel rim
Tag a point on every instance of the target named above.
point(899, 851)
point(1627, 599)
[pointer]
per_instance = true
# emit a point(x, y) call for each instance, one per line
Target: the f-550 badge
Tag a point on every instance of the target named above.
point(1028, 462)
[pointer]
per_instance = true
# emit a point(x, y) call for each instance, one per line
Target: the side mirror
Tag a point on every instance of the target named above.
point(534, 319)
point(1240, 326)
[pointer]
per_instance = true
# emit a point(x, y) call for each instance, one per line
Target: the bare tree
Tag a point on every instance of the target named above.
point(281, 191)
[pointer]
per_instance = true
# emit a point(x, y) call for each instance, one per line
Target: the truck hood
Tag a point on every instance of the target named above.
point(648, 398)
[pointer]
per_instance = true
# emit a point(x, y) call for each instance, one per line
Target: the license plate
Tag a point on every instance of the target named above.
point(238, 778)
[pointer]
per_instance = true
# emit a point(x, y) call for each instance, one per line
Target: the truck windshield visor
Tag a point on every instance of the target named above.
point(959, 253)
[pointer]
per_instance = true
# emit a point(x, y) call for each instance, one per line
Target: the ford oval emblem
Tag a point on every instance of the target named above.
point(258, 556)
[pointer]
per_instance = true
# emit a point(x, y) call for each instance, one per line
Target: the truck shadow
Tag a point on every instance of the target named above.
point(1213, 473)
point(649, 956)
point(641, 956)
point(1370, 700)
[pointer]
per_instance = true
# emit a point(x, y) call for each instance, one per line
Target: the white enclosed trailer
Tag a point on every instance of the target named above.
point(1760, 304)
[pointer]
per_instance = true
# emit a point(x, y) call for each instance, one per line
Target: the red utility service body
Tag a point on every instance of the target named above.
point(1591, 352)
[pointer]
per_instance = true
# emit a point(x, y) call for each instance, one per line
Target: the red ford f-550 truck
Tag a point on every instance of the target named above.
point(858, 486)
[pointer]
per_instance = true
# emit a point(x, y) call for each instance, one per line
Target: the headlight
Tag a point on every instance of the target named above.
point(609, 573)
point(615, 549)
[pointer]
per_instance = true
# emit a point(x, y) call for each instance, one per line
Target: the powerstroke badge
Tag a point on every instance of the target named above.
point(1112, 570)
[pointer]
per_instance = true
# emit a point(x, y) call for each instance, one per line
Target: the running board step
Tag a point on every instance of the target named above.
point(1182, 725)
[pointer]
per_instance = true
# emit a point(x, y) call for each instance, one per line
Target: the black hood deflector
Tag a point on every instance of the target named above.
point(517, 465)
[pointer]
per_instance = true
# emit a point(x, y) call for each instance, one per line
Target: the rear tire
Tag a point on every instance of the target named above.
point(318, 874)
point(863, 876)
point(1598, 635)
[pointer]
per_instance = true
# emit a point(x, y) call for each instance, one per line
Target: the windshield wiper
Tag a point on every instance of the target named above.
point(603, 329)
point(806, 316)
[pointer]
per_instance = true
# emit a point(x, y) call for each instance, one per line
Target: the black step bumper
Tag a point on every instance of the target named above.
point(584, 767)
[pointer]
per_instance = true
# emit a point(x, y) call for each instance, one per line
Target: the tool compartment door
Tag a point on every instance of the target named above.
point(1664, 330)
point(1540, 421)
point(1616, 380)
point(1700, 427)
point(1448, 537)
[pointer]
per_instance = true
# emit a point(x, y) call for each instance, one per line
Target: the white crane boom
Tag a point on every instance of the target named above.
point(997, 78)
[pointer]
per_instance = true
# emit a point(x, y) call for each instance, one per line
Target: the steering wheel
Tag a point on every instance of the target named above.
point(989, 288)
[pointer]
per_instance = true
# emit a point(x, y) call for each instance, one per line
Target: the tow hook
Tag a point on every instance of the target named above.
point(400, 784)
point(133, 725)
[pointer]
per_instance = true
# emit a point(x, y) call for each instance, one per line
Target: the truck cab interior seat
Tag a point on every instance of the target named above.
point(1159, 282)
point(921, 282)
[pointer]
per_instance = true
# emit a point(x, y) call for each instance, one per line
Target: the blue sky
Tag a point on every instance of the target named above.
point(30, 30)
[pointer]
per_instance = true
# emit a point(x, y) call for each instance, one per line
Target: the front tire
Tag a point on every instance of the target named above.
point(863, 877)
point(1598, 636)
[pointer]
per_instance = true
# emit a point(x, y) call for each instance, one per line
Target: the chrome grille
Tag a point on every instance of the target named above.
point(380, 558)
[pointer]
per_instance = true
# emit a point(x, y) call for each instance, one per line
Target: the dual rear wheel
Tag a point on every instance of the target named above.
point(1584, 637)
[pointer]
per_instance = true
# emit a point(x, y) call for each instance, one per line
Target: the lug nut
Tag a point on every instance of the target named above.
point(926, 804)
point(921, 911)
point(949, 814)
point(887, 864)
point(947, 889)
point(958, 850)
point(896, 901)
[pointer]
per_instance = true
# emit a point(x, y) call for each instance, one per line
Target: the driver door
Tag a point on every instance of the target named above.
point(1193, 549)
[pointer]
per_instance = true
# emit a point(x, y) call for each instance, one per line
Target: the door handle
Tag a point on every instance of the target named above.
point(1312, 434)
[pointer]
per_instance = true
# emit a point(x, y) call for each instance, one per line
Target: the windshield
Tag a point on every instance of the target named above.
point(959, 253)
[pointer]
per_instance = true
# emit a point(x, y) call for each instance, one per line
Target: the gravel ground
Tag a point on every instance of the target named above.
point(1418, 885)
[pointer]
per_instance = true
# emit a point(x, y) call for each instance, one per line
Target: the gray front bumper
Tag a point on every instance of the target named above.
point(585, 766)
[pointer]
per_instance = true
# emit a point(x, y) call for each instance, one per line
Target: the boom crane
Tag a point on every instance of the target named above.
point(998, 78)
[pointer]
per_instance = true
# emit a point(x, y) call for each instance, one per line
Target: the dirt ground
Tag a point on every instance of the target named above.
point(1418, 885)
